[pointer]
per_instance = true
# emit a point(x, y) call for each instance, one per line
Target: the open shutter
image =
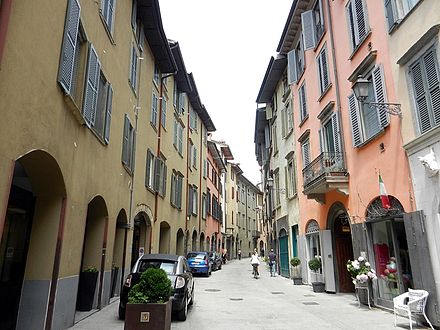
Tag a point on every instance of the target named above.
point(111, 14)
point(361, 19)
point(108, 113)
point(325, 237)
point(148, 169)
point(157, 178)
point(420, 97)
point(354, 119)
point(324, 65)
point(432, 77)
point(420, 259)
point(134, 15)
point(164, 180)
point(292, 74)
point(91, 92)
point(308, 28)
point(190, 200)
point(321, 140)
point(302, 254)
point(125, 141)
point(380, 95)
point(69, 45)
point(336, 135)
point(359, 238)
point(390, 11)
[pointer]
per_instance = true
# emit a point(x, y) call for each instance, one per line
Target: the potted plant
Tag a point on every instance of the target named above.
point(86, 288)
point(361, 274)
point(149, 304)
point(296, 270)
point(315, 265)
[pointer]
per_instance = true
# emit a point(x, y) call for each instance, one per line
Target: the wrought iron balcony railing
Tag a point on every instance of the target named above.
point(325, 164)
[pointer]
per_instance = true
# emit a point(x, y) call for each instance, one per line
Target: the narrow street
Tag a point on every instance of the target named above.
point(232, 299)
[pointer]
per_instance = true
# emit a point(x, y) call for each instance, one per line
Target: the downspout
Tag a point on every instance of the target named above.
point(200, 181)
point(5, 13)
point(187, 217)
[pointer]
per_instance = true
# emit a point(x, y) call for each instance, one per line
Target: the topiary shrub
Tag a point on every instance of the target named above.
point(154, 287)
point(295, 261)
point(315, 264)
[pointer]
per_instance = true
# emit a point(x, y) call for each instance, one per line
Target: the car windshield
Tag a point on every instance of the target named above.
point(167, 266)
point(194, 255)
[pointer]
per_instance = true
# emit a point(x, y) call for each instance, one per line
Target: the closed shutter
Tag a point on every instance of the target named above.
point(308, 28)
point(354, 119)
point(125, 141)
point(420, 97)
point(321, 140)
point(175, 133)
point(390, 12)
point(190, 200)
point(111, 14)
point(336, 136)
point(306, 153)
point(359, 238)
point(380, 94)
point(432, 77)
point(154, 110)
point(292, 74)
point(157, 178)
point(91, 92)
point(361, 19)
point(148, 169)
point(108, 113)
point(323, 67)
point(134, 15)
point(421, 261)
point(69, 45)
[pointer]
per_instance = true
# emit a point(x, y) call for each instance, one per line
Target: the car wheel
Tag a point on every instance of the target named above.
point(192, 296)
point(220, 266)
point(121, 313)
point(183, 313)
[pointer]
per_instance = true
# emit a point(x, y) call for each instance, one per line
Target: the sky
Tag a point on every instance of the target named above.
point(227, 46)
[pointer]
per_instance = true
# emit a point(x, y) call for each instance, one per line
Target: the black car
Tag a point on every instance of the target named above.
point(216, 260)
point(179, 274)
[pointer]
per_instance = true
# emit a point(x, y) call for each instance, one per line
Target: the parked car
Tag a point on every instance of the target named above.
point(199, 263)
point(216, 260)
point(178, 272)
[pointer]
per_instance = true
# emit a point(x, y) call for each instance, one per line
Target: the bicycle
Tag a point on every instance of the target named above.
point(255, 270)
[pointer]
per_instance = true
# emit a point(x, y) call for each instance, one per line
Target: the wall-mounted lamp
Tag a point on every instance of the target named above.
point(269, 183)
point(360, 89)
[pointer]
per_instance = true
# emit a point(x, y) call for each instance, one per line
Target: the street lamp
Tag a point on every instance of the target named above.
point(360, 89)
point(269, 184)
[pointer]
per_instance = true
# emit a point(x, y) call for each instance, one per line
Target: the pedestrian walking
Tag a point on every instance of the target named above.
point(239, 254)
point(272, 262)
point(255, 262)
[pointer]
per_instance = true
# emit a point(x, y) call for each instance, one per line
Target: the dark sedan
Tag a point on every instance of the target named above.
point(179, 274)
point(216, 260)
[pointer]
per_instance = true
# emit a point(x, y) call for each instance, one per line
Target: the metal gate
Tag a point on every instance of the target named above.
point(284, 256)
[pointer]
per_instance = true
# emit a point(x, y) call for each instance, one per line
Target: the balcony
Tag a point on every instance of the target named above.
point(256, 234)
point(325, 173)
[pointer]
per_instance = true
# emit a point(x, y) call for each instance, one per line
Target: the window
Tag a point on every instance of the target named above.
point(276, 182)
point(323, 74)
point(192, 119)
point(194, 200)
point(286, 120)
point(274, 138)
point(133, 68)
point(103, 109)
point(290, 178)
point(303, 102)
point(176, 189)
point(312, 25)
point(108, 13)
point(154, 106)
point(128, 145)
point(208, 207)
point(178, 136)
point(156, 75)
point(357, 22)
point(366, 121)
point(164, 112)
point(160, 176)
point(149, 170)
point(305, 148)
point(329, 136)
point(396, 10)
point(425, 77)
point(204, 206)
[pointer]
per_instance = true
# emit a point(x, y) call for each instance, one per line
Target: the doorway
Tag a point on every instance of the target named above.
point(284, 253)
point(344, 252)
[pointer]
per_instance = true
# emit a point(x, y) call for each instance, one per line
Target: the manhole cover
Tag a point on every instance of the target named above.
point(310, 303)
point(235, 299)
point(212, 290)
point(277, 292)
point(309, 295)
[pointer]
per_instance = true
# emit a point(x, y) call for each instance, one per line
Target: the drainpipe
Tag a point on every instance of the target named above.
point(200, 181)
point(187, 217)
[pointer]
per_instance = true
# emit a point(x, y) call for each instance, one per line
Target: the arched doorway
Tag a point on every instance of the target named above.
point(284, 253)
point(344, 251)
point(118, 251)
point(313, 249)
point(32, 220)
point(180, 243)
point(194, 241)
point(202, 242)
point(208, 243)
point(141, 236)
point(164, 237)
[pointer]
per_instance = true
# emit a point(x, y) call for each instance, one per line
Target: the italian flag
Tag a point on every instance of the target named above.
point(383, 194)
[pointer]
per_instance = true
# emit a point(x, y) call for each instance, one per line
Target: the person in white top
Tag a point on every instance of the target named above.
point(255, 262)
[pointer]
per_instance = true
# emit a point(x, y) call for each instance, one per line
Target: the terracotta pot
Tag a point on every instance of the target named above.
point(148, 316)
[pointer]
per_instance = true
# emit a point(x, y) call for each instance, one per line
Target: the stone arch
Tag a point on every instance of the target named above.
point(180, 242)
point(118, 253)
point(194, 241)
point(375, 209)
point(141, 242)
point(202, 241)
point(208, 243)
point(164, 237)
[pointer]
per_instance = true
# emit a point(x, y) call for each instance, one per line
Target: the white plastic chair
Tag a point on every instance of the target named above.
point(409, 304)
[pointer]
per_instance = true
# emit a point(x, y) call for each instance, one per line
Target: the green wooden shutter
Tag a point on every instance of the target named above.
point(308, 28)
point(108, 113)
point(380, 94)
point(70, 38)
point(91, 92)
point(354, 119)
point(292, 74)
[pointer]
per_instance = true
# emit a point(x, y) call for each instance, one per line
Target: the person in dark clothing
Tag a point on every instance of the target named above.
point(272, 262)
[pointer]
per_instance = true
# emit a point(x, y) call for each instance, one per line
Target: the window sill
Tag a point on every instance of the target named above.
point(73, 107)
point(372, 138)
point(304, 120)
point(107, 29)
point(400, 20)
point(359, 45)
point(319, 41)
point(324, 93)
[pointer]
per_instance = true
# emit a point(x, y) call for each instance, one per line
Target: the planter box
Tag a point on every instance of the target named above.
point(86, 291)
point(297, 281)
point(148, 316)
point(318, 286)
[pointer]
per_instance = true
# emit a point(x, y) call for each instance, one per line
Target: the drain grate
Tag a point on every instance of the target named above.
point(235, 299)
point(310, 303)
point(309, 295)
point(277, 292)
point(212, 290)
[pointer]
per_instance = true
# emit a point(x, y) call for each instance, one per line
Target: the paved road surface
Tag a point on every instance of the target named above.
point(232, 299)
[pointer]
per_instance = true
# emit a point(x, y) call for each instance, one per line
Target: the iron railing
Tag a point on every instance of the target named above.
point(325, 164)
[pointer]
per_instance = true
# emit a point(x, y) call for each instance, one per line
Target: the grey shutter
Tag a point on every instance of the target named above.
point(125, 141)
point(134, 14)
point(325, 78)
point(111, 14)
point(308, 28)
point(108, 113)
point(361, 19)
point(91, 92)
point(164, 180)
point(420, 97)
point(420, 260)
point(380, 95)
point(148, 169)
point(292, 74)
point(132, 147)
point(306, 153)
point(175, 133)
point(390, 12)
point(354, 119)
point(325, 238)
point(157, 179)
point(432, 77)
point(321, 140)
point(69, 45)
point(179, 191)
point(359, 239)
point(336, 138)
point(190, 200)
